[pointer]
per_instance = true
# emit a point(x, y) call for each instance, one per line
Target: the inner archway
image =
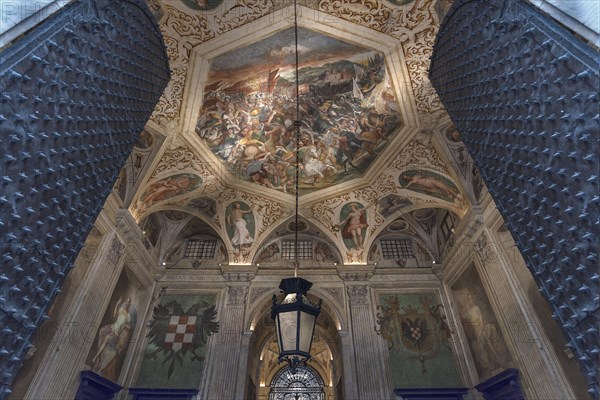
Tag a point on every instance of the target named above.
point(302, 383)
point(264, 370)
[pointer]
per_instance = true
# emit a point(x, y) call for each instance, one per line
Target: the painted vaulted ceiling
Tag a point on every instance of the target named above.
point(378, 153)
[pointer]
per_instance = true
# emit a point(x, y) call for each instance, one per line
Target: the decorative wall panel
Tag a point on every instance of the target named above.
point(523, 92)
point(178, 335)
point(76, 92)
point(419, 340)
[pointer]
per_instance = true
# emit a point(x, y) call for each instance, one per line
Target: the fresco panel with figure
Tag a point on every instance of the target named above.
point(112, 340)
point(488, 348)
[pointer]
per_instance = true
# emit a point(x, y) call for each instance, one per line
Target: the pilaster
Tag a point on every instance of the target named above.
point(370, 375)
point(350, 375)
point(541, 376)
point(229, 338)
point(59, 371)
point(240, 379)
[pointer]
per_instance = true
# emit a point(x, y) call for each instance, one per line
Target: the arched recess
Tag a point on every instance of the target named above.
point(262, 364)
point(302, 383)
point(423, 235)
point(180, 239)
point(402, 211)
point(316, 249)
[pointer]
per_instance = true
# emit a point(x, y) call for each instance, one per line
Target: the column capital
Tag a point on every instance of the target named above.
point(236, 295)
point(486, 249)
point(358, 294)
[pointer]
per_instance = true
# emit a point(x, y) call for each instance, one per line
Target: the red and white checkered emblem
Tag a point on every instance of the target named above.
point(180, 332)
point(415, 332)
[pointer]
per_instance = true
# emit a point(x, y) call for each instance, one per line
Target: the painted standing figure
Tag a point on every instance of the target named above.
point(113, 340)
point(241, 234)
point(353, 225)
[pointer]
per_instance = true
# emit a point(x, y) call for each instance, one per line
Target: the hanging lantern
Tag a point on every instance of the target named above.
point(295, 318)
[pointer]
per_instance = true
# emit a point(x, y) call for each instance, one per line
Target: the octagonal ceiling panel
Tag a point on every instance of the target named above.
point(348, 110)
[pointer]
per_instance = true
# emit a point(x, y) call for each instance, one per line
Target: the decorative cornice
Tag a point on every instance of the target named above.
point(184, 278)
point(135, 240)
point(238, 273)
point(356, 273)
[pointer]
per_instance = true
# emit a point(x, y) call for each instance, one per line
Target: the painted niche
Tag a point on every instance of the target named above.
point(116, 330)
point(418, 339)
point(348, 109)
point(488, 348)
point(239, 220)
point(178, 334)
point(353, 225)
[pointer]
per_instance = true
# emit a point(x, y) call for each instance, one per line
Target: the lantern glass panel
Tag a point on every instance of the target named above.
point(307, 323)
point(288, 324)
point(289, 298)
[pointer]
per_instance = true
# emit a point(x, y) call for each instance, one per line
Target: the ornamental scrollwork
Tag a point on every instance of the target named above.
point(485, 249)
point(255, 293)
point(324, 211)
point(417, 155)
point(115, 251)
point(337, 293)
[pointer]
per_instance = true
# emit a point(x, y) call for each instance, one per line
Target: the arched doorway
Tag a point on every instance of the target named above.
point(263, 366)
point(303, 383)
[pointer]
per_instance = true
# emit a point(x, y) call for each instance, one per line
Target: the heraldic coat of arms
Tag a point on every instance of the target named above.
point(175, 331)
point(416, 332)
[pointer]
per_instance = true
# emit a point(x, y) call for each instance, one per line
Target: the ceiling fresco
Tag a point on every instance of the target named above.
point(348, 110)
point(202, 5)
point(224, 136)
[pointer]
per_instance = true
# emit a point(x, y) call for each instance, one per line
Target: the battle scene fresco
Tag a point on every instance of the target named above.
point(348, 110)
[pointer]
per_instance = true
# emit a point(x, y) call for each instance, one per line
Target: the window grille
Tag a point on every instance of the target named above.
point(447, 226)
point(305, 250)
point(397, 248)
point(302, 384)
point(199, 248)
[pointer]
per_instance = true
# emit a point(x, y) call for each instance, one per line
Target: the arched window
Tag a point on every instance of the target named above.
point(303, 384)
